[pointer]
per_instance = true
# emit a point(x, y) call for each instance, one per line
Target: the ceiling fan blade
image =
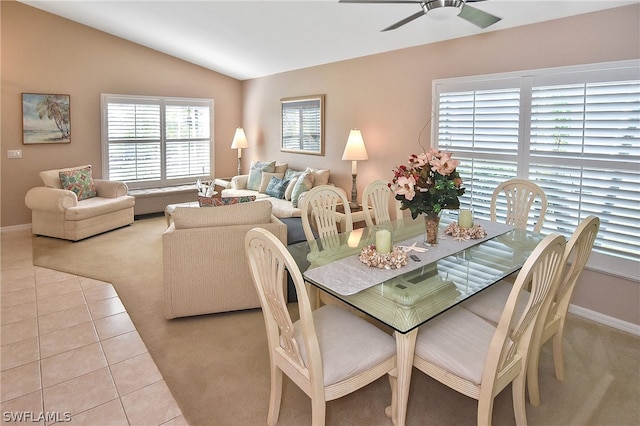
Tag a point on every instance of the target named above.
point(382, 1)
point(405, 21)
point(478, 17)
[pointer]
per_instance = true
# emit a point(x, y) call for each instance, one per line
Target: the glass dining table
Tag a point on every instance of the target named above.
point(434, 280)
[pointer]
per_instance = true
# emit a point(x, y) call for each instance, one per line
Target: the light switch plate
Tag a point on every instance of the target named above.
point(14, 153)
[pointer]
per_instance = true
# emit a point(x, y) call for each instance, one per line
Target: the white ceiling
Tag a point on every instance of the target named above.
point(249, 39)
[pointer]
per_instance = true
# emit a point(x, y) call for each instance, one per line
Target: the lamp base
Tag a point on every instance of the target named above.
point(353, 204)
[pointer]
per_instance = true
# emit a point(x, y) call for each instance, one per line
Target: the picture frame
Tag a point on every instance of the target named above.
point(303, 125)
point(46, 118)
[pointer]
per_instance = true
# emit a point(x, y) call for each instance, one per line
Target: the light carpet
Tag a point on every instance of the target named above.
point(217, 366)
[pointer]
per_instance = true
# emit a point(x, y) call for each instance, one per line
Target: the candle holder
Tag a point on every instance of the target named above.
point(382, 239)
point(465, 218)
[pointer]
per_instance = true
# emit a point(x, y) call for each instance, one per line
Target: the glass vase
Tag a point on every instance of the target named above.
point(431, 224)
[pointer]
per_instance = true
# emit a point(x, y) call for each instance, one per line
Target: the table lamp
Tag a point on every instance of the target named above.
point(239, 142)
point(354, 151)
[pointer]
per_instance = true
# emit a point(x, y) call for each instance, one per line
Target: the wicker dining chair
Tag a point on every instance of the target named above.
point(490, 303)
point(520, 196)
point(328, 352)
point(320, 203)
point(375, 203)
point(468, 354)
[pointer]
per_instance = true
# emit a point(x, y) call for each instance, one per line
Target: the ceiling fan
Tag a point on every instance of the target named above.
point(477, 17)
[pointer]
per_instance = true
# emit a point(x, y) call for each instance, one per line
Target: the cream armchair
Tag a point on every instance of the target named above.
point(205, 267)
point(59, 213)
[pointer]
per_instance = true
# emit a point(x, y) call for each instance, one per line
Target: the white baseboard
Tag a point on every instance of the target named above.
point(605, 319)
point(15, 228)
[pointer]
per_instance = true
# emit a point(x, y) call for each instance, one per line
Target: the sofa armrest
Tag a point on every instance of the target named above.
point(223, 183)
point(110, 188)
point(50, 199)
point(239, 182)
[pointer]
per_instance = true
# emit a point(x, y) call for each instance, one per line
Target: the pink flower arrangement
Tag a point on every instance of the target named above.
point(428, 183)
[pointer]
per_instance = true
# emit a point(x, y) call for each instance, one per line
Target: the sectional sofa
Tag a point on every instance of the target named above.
point(276, 182)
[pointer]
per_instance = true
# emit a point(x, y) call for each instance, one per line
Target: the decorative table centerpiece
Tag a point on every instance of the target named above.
point(425, 186)
point(392, 259)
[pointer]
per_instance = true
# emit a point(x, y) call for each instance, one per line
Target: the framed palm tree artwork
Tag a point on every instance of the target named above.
point(45, 118)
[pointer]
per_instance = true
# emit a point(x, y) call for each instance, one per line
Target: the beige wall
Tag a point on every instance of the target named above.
point(388, 96)
point(42, 53)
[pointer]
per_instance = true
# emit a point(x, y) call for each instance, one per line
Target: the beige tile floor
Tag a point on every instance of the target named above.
point(69, 351)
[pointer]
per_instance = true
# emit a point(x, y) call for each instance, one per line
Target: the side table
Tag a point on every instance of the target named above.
point(357, 216)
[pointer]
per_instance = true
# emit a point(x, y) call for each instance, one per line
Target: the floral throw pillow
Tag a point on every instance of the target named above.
point(277, 187)
point(255, 174)
point(79, 181)
point(224, 201)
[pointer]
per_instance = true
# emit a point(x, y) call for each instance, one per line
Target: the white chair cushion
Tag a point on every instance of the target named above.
point(490, 303)
point(345, 342)
point(457, 341)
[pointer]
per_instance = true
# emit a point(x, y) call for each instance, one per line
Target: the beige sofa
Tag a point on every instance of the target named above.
point(58, 212)
point(287, 206)
point(205, 269)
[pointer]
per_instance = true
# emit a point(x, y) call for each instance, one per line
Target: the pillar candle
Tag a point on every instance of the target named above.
point(465, 219)
point(383, 241)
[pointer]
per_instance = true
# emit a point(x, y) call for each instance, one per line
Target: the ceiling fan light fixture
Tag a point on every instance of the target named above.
point(443, 9)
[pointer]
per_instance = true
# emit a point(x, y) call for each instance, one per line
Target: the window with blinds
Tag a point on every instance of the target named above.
point(151, 141)
point(574, 131)
point(302, 126)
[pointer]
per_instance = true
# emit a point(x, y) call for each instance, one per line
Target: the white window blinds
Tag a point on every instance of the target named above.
point(156, 141)
point(575, 132)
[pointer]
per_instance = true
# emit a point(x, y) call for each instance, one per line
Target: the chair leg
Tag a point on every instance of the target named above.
point(318, 408)
point(485, 411)
point(276, 396)
point(519, 404)
point(532, 377)
point(558, 356)
point(392, 410)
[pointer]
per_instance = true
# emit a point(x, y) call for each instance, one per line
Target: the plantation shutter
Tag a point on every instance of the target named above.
point(156, 141)
point(575, 131)
point(481, 127)
point(187, 140)
point(134, 142)
point(301, 126)
point(584, 152)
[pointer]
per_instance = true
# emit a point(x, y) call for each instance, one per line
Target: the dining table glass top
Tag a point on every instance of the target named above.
point(406, 297)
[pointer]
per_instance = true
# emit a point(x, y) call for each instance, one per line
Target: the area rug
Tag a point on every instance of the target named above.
point(217, 366)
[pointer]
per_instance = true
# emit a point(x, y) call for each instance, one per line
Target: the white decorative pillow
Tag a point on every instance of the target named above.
point(266, 178)
point(304, 183)
point(281, 167)
point(255, 174)
point(320, 176)
point(289, 190)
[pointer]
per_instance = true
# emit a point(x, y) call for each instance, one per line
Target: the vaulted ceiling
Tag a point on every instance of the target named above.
point(249, 39)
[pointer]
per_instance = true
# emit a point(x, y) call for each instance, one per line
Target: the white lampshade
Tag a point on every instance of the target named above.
point(355, 149)
point(239, 139)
